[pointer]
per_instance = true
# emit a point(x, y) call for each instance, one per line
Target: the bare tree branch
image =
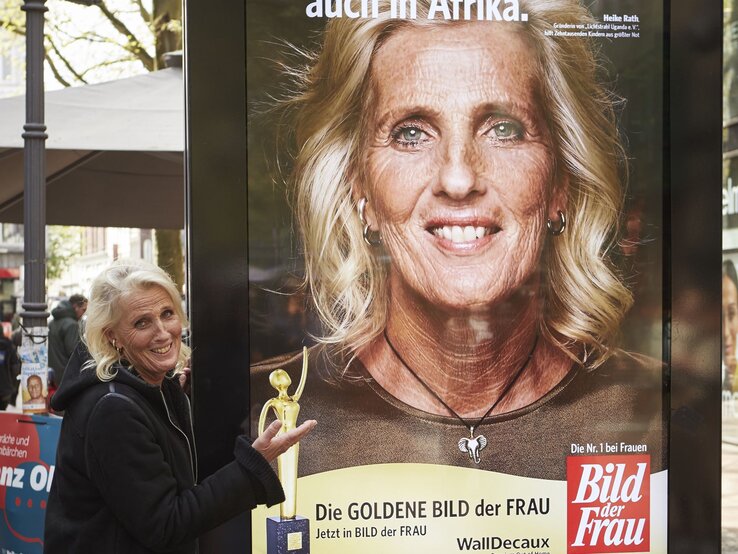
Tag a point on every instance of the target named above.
point(110, 63)
point(145, 15)
point(11, 26)
point(133, 46)
point(94, 37)
point(64, 60)
point(141, 55)
point(85, 36)
point(55, 71)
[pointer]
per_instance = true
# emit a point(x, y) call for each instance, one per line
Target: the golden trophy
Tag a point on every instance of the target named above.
point(287, 533)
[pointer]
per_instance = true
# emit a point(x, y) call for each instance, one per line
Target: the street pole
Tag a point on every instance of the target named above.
point(34, 312)
point(34, 353)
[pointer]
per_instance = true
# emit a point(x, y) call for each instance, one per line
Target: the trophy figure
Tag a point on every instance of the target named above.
point(288, 533)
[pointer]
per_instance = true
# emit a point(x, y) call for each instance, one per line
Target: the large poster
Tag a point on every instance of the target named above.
point(456, 206)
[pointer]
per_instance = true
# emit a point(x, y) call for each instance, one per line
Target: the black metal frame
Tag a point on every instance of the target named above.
point(694, 96)
point(218, 269)
point(217, 273)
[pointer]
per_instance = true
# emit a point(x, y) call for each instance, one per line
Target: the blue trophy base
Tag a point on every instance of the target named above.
point(288, 536)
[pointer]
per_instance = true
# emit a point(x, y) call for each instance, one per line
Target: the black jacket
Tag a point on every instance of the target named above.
point(9, 369)
point(126, 470)
point(63, 337)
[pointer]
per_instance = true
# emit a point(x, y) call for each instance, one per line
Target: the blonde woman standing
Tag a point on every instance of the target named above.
point(126, 471)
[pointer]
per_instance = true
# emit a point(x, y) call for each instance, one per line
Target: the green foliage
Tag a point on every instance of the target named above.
point(169, 254)
point(62, 245)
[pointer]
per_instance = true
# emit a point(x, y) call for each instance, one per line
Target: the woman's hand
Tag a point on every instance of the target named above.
point(185, 378)
point(269, 445)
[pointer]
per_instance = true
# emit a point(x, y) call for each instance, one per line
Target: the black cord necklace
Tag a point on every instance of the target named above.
point(471, 445)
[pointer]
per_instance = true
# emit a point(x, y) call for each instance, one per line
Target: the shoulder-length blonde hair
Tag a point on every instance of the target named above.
point(103, 311)
point(584, 297)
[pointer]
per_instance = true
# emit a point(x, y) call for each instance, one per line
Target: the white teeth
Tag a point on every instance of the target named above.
point(162, 350)
point(459, 234)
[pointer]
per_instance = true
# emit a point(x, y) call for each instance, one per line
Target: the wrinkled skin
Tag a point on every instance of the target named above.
point(458, 138)
point(149, 331)
point(460, 176)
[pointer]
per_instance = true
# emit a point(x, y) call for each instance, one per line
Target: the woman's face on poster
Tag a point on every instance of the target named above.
point(459, 168)
point(730, 320)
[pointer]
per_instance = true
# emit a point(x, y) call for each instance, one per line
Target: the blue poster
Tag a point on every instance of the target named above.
point(27, 456)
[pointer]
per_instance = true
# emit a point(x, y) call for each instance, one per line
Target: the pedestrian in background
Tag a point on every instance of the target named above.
point(64, 333)
point(9, 371)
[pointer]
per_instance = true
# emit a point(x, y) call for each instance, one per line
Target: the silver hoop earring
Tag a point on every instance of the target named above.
point(372, 238)
point(554, 228)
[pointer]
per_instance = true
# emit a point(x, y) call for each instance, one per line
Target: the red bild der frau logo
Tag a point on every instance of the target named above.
point(608, 499)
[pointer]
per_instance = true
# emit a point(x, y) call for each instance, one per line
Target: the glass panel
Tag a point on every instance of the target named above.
point(730, 280)
point(462, 221)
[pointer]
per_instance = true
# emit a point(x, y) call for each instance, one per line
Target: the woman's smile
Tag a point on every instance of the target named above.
point(462, 234)
point(459, 234)
point(162, 350)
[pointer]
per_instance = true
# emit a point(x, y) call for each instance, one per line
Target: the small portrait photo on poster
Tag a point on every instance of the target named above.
point(34, 389)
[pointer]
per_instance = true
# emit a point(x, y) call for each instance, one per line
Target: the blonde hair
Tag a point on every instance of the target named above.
point(122, 277)
point(584, 298)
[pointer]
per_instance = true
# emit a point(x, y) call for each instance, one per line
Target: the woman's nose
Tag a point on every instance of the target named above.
point(458, 177)
point(160, 328)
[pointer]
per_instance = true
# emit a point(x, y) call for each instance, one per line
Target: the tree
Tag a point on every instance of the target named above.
point(109, 40)
point(90, 44)
point(63, 244)
point(167, 25)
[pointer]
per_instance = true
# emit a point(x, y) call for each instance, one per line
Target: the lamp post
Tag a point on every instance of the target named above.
point(34, 192)
point(34, 312)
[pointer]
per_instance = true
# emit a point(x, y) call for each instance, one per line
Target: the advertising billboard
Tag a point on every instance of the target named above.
point(456, 261)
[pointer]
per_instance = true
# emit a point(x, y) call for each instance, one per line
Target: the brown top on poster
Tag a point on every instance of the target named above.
point(615, 409)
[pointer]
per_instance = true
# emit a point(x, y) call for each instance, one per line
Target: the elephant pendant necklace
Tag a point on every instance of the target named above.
point(472, 445)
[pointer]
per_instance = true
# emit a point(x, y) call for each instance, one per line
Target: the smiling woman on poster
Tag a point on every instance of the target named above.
point(457, 186)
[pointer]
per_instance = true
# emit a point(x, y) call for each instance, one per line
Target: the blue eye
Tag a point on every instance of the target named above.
point(507, 131)
point(409, 136)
